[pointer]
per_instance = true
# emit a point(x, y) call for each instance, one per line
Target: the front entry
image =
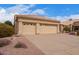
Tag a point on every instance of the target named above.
point(76, 28)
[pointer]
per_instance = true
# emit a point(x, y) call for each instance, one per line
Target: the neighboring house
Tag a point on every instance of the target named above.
point(73, 24)
point(32, 24)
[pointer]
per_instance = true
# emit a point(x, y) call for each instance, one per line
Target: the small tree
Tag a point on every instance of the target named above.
point(8, 23)
point(6, 30)
point(66, 29)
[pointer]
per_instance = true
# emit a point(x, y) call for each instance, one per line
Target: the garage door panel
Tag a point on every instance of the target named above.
point(29, 29)
point(48, 29)
point(32, 28)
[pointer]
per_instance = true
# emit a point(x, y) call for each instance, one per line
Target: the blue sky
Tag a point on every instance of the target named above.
point(60, 9)
point(55, 11)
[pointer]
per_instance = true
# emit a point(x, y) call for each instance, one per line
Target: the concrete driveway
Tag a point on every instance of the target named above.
point(56, 44)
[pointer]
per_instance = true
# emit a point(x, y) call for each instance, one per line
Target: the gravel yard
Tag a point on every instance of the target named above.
point(11, 50)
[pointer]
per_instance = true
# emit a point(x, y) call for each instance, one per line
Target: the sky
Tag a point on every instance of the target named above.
point(59, 12)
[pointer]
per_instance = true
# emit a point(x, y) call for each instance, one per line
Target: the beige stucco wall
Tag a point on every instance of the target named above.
point(20, 28)
point(69, 23)
point(37, 29)
point(36, 21)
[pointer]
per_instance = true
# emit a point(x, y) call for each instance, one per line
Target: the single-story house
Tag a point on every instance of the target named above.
point(73, 24)
point(32, 24)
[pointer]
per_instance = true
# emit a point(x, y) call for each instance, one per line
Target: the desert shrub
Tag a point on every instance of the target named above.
point(66, 29)
point(6, 30)
point(4, 42)
point(20, 45)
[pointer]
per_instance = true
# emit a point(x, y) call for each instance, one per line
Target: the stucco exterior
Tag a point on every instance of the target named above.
point(72, 24)
point(32, 24)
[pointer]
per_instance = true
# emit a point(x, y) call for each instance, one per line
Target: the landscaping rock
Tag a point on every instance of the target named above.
point(4, 42)
point(20, 45)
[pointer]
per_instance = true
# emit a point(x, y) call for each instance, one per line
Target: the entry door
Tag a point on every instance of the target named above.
point(29, 28)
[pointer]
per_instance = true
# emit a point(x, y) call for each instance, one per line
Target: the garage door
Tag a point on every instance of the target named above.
point(48, 29)
point(28, 28)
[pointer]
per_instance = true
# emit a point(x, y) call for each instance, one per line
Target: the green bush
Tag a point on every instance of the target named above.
point(4, 42)
point(66, 29)
point(6, 30)
point(8, 23)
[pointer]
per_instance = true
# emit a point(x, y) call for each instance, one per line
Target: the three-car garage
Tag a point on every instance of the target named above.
point(35, 25)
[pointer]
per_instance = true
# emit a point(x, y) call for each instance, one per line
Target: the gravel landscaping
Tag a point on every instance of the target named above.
point(19, 46)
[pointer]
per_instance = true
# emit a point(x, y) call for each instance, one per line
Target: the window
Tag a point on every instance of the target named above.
point(23, 23)
point(28, 23)
point(47, 25)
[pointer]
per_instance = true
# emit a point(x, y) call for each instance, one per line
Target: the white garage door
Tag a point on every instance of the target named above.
point(28, 28)
point(48, 29)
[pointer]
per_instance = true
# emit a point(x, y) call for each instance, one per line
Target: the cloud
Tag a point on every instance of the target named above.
point(20, 8)
point(60, 18)
point(8, 13)
point(39, 12)
point(2, 14)
point(2, 10)
point(76, 16)
point(64, 18)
